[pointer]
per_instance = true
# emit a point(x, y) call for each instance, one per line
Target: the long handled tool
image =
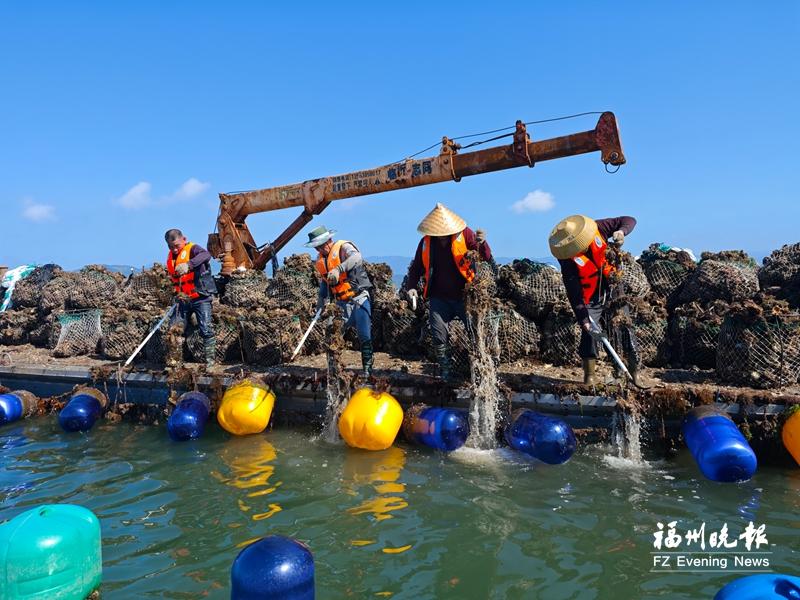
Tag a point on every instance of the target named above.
point(305, 335)
point(149, 335)
point(615, 357)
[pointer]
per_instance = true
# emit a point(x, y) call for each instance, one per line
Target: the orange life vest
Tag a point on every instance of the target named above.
point(342, 290)
point(592, 267)
point(458, 248)
point(185, 283)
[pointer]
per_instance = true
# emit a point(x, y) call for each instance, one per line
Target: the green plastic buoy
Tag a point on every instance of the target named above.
point(50, 553)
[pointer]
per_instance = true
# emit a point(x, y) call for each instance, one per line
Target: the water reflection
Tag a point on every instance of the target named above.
point(250, 461)
point(13, 437)
point(382, 471)
point(748, 509)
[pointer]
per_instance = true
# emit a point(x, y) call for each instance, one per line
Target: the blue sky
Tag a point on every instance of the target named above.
point(120, 120)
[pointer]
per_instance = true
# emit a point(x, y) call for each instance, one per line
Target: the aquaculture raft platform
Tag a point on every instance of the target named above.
point(144, 395)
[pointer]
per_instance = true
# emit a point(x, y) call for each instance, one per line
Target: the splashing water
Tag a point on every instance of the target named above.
point(484, 408)
point(626, 429)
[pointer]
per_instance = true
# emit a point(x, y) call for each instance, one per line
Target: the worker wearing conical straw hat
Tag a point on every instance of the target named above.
point(441, 270)
point(580, 243)
point(343, 278)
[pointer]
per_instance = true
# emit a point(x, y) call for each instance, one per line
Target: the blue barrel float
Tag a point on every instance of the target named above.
point(16, 405)
point(52, 552)
point(84, 408)
point(717, 445)
point(273, 568)
point(549, 439)
point(439, 428)
point(188, 420)
point(768, 586)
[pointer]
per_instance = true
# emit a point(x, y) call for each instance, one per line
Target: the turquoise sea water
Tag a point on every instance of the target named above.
point(402, 523)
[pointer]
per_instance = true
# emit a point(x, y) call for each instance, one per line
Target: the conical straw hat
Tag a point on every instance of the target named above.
point(441, 221)
point(572, 236)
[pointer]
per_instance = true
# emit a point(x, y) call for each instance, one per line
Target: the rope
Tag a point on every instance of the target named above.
point(471, 135)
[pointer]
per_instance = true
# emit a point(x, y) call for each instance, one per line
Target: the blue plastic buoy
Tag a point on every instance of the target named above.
point(274, 567)
point(84, 408)
point(189, 418)
point(16, 405)
point(717, 445)
point(440, 428)
point(768, 586)
point(549, 439)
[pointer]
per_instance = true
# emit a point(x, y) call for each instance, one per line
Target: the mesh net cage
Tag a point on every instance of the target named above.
point(458, 340)
point(485, 271)
point(401, 329)
point(228, 348)
point(781, 271)
point(55, 294)
point(46, 332)
point(666, 269)
point(294, 286)
point(165, 347)
point(95, 287)
point(731, 276)
point(637, 328)
point(533, 287)
point(561, 336)
point(517, 336)
point(28, 290)
point(270, 339)
point(759, 349)
point(630, 274)
point(384, 294)
point(123, 331)
point(148, 288)
point(693, 333)
point(80, 332)
point(16, 324)
point(245, 289)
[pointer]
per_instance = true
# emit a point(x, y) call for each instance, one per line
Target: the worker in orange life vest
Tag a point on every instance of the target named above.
point(441, 263)
point(343, 278)
point(579, 243)
point(189, 268)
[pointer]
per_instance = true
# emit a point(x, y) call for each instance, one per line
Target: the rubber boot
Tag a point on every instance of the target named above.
point(443, 359)
point(589, 366)
point(638, 380)
point(210, 351)
point(367, 358)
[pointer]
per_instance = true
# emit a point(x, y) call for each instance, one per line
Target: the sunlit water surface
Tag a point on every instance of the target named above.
point(403, 523)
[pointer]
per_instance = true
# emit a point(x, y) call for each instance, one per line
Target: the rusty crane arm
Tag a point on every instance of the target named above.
point(234, 244)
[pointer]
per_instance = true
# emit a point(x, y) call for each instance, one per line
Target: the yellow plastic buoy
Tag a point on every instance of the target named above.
point(246, 407)
point(791, 435)
point(370, 420)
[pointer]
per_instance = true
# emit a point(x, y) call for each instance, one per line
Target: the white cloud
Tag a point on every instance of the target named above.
point(139, 196)
point(189, 189)
point(536, 201)
point(38, 213)
point(136, 197)
point(348, 203)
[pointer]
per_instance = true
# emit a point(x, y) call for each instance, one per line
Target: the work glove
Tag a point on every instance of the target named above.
point(593, 329)
point(413, 295)
point(333, 275)
point(182, 269)
point(480, 235)
point(618, 237)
